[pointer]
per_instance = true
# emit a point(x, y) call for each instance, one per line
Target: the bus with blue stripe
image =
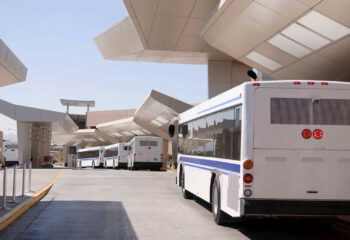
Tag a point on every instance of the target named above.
point(116, 155)
point(270, 148)
point(90, 157)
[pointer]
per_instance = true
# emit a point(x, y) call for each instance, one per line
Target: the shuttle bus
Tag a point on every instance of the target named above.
point(274, 148)
point(146, 153)
point(118, 153)
point(90, 157)
point(10, 152)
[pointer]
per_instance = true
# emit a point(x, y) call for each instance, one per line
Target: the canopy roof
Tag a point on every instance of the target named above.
point(12, 69)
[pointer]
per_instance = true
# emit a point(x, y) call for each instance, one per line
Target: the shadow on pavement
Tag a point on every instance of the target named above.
point(288, 228)
point(72, 220)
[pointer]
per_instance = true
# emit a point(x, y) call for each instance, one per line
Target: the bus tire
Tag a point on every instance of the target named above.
point(220, 217)
point(186, 194)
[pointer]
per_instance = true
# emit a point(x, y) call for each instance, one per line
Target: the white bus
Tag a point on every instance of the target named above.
point(10, 152)
point(274, 148)
point(146, 153)
point(90, 157)
point(118, 153)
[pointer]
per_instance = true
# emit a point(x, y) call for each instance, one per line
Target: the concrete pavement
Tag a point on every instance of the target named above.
point(119, 204)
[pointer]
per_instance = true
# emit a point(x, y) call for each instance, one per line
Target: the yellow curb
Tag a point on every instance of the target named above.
point(21, 208)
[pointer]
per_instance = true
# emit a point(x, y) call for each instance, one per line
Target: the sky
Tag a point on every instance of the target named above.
point(54, 40)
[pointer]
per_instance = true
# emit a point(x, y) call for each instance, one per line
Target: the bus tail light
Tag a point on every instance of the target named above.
point(248, 164)
point(148, 148)
point(248, 193)
point(324, 83)
point(134, 156)
point(248, 178)
point(306, 133)
point(310, 83)
point(297, 83)
point(256, 84)
point(318, 134)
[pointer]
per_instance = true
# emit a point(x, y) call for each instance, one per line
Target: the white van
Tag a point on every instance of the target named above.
point(118, 153)
point(146, 153)
point(10, 152)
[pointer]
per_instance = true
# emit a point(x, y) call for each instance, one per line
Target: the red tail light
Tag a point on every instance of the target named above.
point(306, 133)
point(318, 134)
point(148, 148)
point(310, 83)
point(256, 84)
point(248, 178)
point(134, 156)
point(324, 83)
point(297, 83)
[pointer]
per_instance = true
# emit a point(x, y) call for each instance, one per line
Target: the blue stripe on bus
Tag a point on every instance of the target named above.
point(82, 159)
point(219, 105)
point(208, 169)
point(233, 167)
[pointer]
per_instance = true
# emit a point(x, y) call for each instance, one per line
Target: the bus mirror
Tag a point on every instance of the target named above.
point(184, 130)
point(171, 130)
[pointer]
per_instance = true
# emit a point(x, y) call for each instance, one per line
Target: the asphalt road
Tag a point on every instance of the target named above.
point(119, 204)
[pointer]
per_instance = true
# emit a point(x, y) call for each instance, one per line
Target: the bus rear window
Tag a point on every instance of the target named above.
point(11, 146)
point(310, 111)
point(290, 110)
point(145, 143)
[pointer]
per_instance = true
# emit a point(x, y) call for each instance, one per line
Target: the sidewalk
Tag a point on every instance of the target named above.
point(40, 178)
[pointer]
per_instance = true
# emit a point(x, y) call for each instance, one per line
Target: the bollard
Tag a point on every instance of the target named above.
point(24, 179)
point(4, 190)
point(113, 163)
point(30, 178)
point(14, 184)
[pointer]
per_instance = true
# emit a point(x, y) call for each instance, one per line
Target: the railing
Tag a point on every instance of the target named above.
point(14, 183)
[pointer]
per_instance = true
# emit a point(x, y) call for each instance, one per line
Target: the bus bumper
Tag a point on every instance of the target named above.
point(296, 207)
point(122, 165)
point(148, 165)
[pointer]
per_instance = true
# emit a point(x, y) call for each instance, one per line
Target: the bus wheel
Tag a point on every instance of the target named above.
point(186, 194)
point(220, 217)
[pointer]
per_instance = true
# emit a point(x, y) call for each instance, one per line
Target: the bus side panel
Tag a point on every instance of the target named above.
point(230, 202)
point(197, 181)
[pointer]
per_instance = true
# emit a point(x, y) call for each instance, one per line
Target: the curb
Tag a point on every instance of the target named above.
point(21, 208)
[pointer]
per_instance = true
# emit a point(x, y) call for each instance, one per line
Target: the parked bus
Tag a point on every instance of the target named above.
point(90, 157)
point(10, 152)
point(274, 148)
point(118, 153)
point(146, 153)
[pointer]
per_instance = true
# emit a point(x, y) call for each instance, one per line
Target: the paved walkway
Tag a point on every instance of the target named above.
point(130, 205)
point(40, 178)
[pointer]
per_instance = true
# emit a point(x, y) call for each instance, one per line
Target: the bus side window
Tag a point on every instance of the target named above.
point(236, 151)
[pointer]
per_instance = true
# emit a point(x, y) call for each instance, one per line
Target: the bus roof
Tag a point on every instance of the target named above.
point(233, 96)
point(89, 149)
